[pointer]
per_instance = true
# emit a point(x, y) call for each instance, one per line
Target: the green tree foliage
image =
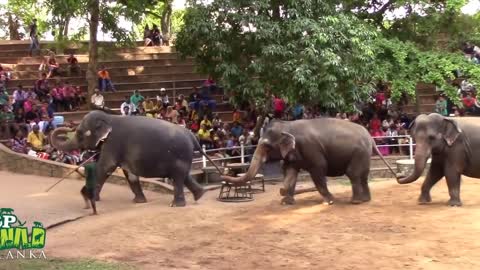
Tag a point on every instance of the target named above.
point(302, 50)
point(330, 54)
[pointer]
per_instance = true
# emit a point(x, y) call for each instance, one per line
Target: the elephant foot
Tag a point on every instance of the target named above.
point(327, 202)
point(424, 199)
point(452, 203)
point(288, 200)
point(140, 199)
point(178, 203)
point(197, 195)
point(356, 201)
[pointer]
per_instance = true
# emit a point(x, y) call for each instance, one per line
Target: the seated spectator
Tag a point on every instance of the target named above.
point(441, 106)
point(136, 99)
point(156, 36)
point(57, 96)
point(68, 94)
point(80, 98)
point(19, 143)
point(147, 34)
point(171, 115)
point(195, 125)
point(73, 66)
point(41, 88)
point(52, 67)
point(19, 97)
point(127, 107)
point(388, 122)
point(204, 136)
point(216, 121)
point(181, 104)
point(97, 99)
point(469, 104)
point(237, 116)
point(104, 80)
point(4, 98)
point(181, 121)
point(6, 121)
point(36, 139)
point(205, 122)
point(392, 132)
point(298, 112)
point(209, 87)
point(231, 143)
point(236, 130)
point(163, 98)
point(148, 105)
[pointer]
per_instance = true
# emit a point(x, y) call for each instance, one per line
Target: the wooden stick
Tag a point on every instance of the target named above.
point(283, 192)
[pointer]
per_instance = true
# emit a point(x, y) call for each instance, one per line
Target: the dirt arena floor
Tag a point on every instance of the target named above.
point(390, 232)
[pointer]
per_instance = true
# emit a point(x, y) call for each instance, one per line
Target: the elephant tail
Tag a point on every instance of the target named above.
point(375, 150)
point(197, 147)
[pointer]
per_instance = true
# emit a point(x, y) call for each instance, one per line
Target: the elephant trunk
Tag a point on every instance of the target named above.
point(422, 153)
point(258, 159)
point(63, 144)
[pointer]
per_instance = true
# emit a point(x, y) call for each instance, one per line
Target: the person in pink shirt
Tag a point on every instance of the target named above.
point(57, 95)
point(68, 93)
point(278, 107)
point(28, 105)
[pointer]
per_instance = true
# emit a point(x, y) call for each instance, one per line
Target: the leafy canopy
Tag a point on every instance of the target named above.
point(327, 53)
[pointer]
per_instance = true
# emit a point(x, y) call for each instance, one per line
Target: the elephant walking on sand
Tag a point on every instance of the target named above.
point(323, 147)
point(141, 146)
point(453, 145)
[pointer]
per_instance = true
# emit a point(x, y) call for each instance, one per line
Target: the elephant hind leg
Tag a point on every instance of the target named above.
point(358, 172)
point(134, 183)
point(178, 194)
point(366, 196)
point(320, 181)
point(194, 187)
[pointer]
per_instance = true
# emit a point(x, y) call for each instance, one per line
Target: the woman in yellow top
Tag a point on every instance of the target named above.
point(206, 122)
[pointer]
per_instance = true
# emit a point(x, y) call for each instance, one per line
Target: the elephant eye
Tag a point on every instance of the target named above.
point(432, 137)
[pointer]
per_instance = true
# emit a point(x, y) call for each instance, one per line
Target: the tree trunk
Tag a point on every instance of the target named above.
point(94, 9)
point(65, 29)
point(13, 28)
point(166, 19)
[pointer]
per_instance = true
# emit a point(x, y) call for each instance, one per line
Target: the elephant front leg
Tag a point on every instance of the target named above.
point(434, 175)
point(453, 183)
point(102, 170)
point(134, 183)
point(289, 182)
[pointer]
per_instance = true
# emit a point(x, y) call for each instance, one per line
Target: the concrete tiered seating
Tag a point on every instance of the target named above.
point(146, 69)
point(426, 94)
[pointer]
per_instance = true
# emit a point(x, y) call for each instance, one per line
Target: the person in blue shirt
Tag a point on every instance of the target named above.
point(236, 130)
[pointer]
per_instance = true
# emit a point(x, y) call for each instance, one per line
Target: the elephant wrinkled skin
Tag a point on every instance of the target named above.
point(141, 146)
point(453, 145)
point(323, 147)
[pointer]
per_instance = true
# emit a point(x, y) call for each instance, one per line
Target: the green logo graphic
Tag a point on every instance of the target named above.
point(14, 233)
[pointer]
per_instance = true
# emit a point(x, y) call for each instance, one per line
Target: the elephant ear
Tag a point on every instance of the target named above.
point(451, 131)
point(102, 130)
point(287, 144)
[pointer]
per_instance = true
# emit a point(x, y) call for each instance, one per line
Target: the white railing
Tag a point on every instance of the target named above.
point(242, 148)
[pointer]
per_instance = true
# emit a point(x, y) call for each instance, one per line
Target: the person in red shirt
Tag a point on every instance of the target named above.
point(375, 123)
point(73, 66)
point(278, 107)
point(469, 103)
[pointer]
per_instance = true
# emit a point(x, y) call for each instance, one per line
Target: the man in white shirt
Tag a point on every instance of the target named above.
point(127, 107)
point(97, 99)
point(163, 98)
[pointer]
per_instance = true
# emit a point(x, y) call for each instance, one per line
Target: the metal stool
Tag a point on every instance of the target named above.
point(242, 192)
point(259, 178)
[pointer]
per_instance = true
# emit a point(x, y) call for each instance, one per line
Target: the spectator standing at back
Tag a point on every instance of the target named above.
point(156, 36)
point(73, 66)
point(136, 99)
point(34, 44)
point(236, 130)
point(441, 106)
point(469, 103)
point(278, 107)
point(97, 99)
point(104, 80)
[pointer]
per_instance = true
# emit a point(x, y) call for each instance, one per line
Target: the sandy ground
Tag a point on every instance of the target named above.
point(390, 232)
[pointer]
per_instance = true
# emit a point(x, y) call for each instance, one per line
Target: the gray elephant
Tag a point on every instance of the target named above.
point(453, 145)
point(141, 146)
point(323, 147)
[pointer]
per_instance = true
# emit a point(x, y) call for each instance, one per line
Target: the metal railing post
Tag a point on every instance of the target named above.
point(242, 153)
point(410, 145)
point(204, 159)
